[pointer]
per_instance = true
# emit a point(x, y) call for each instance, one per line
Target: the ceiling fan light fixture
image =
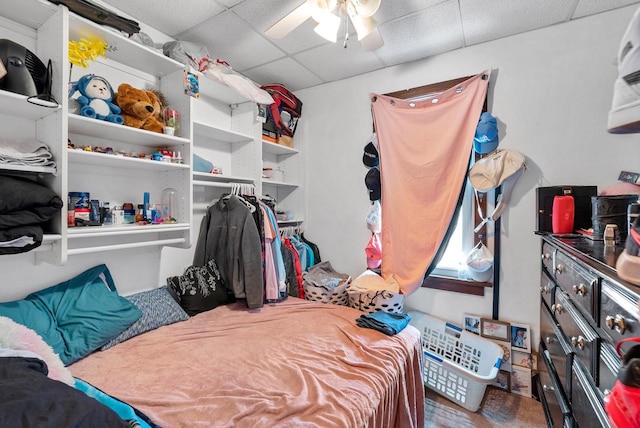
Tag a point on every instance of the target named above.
point(372, 41)
point(318, 9)
point(328, 27)
point(363, 25)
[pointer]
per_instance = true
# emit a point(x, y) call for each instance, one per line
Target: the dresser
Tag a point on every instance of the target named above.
point(585, 309)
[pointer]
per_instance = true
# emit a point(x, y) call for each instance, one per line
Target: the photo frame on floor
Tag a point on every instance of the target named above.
point(523, 359)
point(521, 381)
point(503, 380)
point(471, 323)
point(520, 336)
point(506, 353)
point(494, 329)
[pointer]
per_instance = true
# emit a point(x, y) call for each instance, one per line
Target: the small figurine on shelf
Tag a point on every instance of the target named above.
point(171, 121)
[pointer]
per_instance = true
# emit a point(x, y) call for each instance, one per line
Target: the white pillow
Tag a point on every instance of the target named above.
point(19, 338)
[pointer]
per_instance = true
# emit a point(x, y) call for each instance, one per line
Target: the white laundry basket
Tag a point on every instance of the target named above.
point(457, 364)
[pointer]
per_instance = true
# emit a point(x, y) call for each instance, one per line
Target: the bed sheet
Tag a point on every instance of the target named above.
point(293, 364)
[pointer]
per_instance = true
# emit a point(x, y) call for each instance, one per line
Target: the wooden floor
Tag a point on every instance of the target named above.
point(498, 409)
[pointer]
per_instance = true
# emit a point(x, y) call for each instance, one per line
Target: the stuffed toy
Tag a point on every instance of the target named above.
point(138, 108)
point(159, 105)
point(95, 99)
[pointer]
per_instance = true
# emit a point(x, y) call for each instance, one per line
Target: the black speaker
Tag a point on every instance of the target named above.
point(26, 74)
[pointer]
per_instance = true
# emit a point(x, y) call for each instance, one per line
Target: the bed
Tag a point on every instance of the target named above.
point(296, 363)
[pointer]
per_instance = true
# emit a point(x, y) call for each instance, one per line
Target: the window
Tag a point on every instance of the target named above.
point(463, 239)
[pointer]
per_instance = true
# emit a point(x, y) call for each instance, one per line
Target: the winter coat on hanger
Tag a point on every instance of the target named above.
point(228, 234)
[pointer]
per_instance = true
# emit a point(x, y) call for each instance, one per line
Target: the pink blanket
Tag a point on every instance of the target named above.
point(294, 364)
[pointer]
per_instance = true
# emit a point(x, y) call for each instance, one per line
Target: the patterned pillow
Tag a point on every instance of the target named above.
point(158, 309)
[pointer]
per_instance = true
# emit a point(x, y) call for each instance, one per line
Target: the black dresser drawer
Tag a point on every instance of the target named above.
point(618, 312)
point(554, 401)
point(586, 405)
point(578, 333)
point(608, 365)
point(579, 283)
point(548, 256)
point(547, 288)
point(559, 350)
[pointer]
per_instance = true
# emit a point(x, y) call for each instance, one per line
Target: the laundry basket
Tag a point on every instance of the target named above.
point(457, 364)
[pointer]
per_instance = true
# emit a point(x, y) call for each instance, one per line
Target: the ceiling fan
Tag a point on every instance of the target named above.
point(327, 14)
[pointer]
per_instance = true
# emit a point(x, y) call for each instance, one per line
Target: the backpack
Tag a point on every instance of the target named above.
point(283, 114)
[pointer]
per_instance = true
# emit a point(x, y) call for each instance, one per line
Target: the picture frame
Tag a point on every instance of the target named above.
point(521, 381)
point(520, 337)
point(524, 359)
point(503, 380)
point(506, 353)
point(495, 329)
point(471, 323)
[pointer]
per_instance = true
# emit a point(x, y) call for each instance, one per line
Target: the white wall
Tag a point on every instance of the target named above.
point(551, 91)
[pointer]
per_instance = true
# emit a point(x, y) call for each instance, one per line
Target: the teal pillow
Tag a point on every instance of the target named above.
point(77, 316)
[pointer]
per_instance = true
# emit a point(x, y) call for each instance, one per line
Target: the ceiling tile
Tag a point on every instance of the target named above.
point(229, 3)
point(333, 62)
point(390, 10)
point(484, 20)
point(161, 14)
point(286, 71)
point(422, 34)
point(591, 7)
point(230, 38)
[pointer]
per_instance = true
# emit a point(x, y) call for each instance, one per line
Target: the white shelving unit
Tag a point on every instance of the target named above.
point(289, 190)
point(221, 126)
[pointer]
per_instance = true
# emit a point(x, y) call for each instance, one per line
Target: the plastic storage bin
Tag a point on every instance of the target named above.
point(457, 364)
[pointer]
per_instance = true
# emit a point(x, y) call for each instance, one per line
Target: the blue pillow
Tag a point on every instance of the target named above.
point(77, 316)
point(158, 308)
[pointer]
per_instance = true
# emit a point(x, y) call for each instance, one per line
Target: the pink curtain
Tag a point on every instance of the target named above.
point(424, 156)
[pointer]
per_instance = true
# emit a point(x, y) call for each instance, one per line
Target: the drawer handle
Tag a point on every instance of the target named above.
point(545, 289)
point(578, 342)
point(546, 256)
point(549, 340)
point(559, 268)
point(580, 290)
point(618, 322)
point(548, 388)
point(557, 308)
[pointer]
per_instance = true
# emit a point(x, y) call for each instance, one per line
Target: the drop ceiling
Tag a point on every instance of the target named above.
point(233, 30)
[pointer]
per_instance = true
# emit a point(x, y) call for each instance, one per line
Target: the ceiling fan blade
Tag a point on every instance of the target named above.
point(289, 22)
point(372, 41)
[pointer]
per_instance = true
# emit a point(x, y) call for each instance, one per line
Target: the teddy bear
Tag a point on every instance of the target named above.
point(95, 99)
point(138, 107)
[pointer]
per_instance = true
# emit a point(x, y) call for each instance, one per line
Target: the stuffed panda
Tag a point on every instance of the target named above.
point(95, 99)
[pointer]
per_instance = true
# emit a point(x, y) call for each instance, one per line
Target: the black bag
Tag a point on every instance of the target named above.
point(100, 15)
point(200, 288)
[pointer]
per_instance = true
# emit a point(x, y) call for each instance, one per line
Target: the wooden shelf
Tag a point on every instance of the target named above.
point(210, 132)
point(278, 149)
point(268, 182)
point(110, 131)
point(115, 161)
point(39, 12)
point(128, 52)
point(221, 178)
point(125, 229)
point(17, 105)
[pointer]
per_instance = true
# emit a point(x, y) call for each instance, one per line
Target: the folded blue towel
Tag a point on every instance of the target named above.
point(385, 322)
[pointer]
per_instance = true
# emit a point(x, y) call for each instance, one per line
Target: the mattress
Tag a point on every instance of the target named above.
point(293, 364)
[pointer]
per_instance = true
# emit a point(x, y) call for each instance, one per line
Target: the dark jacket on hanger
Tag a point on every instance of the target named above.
point(228, 234)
